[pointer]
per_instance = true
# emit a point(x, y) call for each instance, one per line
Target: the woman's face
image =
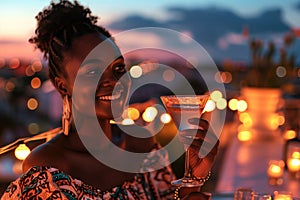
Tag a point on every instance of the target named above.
point(96, 77)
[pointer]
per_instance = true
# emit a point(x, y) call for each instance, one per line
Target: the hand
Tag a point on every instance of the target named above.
point(197, 196)
point(203, 148)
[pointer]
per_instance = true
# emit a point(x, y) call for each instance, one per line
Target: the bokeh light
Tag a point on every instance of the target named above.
point(216, 95)
point(33, 128)
point(281, 71)
point(242, 105)
point(221, 103)
point(246, 119)
point(131, 113)
point(165, 118)
point(149, 114)
point(223, 77)
point(210, 106)
point(36, 66)
point(29, 71)
point(136, 71)
point(232, 104)
point(168, 75)
point(244, 135)
point(32, 104)
point(127, 121)
point(9, 86)
point(14, 63)
point(35, 83)
point(289, 134)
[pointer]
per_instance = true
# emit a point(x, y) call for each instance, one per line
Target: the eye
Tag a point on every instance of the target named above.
point(93, 72)
point(120, 68)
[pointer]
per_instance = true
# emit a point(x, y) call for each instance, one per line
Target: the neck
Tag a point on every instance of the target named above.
point(94, 135)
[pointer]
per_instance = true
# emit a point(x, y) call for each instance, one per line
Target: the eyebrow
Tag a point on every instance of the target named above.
point(96, 61)
point(91, 61)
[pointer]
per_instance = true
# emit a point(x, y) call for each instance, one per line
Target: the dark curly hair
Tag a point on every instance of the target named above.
point(57, 26)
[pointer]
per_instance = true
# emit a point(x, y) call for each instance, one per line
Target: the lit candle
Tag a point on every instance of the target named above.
point(282, 195)
point(293, 162)
point(275, 169)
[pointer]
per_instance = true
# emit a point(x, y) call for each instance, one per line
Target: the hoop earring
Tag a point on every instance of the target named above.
point(66, 117)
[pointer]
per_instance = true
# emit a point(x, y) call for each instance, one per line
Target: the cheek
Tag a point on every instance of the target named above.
point(84, 100)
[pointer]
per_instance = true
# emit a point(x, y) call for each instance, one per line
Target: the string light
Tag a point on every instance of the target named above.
point(22, 151)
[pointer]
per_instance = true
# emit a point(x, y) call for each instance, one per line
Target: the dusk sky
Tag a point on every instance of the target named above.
point(17, 17)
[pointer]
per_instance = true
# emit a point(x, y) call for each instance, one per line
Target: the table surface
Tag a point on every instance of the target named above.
point(245, 165)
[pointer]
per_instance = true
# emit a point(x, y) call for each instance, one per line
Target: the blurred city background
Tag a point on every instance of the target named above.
point(247, 40)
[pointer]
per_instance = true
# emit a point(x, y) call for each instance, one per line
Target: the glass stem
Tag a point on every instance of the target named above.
point(187, 172)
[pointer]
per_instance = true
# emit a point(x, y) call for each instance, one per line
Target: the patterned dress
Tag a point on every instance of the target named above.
point(43, 182)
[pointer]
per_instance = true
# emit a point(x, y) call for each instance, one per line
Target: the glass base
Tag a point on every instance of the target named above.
point(187, 182)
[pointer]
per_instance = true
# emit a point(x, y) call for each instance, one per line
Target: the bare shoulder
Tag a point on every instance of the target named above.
point(46, 154)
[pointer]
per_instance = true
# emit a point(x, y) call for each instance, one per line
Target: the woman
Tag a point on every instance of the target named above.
point(64, 167)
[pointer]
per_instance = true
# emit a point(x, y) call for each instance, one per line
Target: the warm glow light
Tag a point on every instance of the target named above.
point(131, 113)
point(293, 164)
point(32, 104)
point(35, 83)
point(136, 71)
point(233, 104)
point(296, 154)
point(168, 75)
point(283, 195)
point(223, 77)
point(273, 121)
point(33, 128)
point(36, 66)
point(246, 119)
point(10, 86)
point(22, 151)
point(29, 71)
point(276, 168)
point(210, 106)
point(218, 77)
point(149, 114)
point(226, 77)
point(216, 95)
point(281, 120)
point(244, 116)
point(221, 103)
point(290, 134)
point(242, 105)
point(244, 136)
point(165, 118)
point(14, 63)
point(17, 168)
point(127, 122)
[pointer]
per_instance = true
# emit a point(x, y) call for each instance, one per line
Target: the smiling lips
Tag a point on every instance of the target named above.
point(112, 97)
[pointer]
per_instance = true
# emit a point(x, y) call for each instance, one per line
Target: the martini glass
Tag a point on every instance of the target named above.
point(182, 108)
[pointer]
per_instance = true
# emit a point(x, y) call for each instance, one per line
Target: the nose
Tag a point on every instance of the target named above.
point(107, 79)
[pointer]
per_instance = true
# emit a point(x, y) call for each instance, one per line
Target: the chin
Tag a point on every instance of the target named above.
point(108, 114)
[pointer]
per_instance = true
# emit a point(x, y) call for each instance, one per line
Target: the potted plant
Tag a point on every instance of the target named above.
point(265, 80)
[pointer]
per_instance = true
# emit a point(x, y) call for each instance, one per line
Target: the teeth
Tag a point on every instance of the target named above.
point(110, 98)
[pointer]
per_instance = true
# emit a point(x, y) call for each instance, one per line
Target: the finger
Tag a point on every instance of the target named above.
point(200, 141)
point(193, 133)
point(200, 122)
point(206, 150)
